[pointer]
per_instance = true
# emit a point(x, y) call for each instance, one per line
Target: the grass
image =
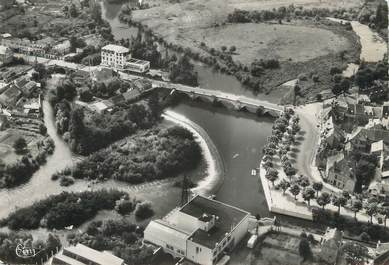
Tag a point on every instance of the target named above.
point(270, 41)
point(7, 139)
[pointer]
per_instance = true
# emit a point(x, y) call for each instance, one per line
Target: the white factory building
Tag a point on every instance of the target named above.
point(202, 231)
point(114, 56)
point(119, 57)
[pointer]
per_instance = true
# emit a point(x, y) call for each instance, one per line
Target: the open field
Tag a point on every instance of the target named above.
point(175, 21)
point(270, 41)
point(7, 139)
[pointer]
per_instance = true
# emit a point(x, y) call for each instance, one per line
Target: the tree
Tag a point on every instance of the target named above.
point(385, 212)
point(224, 48)
point(317, 186)
point(308, 194)
point(20, 145)
point(289, 171)
point(86, 95)
point(339, 201)
point(232, 49)
point(73, 11)
point(295, 190)
point(354, 253)
point(284, 185)
point(305, 249)
point(323, 199)
point(272, 175)
point(144, 210)
point(303, 181)
point(381, 16)
point(183, 72)
point(356, 206)
point(42, 129)
point(371, 209)
point(96, 14)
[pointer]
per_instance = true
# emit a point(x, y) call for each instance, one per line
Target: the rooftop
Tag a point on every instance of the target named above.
point(102, 258)
point(115, 48)
point(227, 218)
point(137, 61)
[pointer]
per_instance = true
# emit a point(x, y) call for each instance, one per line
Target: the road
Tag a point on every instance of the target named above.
point(156, 83)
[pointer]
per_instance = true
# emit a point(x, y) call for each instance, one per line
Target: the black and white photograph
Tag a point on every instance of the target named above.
point(194, 132)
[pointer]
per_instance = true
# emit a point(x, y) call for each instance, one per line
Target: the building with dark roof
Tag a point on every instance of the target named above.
point(202, 231)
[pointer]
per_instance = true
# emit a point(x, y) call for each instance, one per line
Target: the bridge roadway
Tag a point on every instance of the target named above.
point(235, 99)
point(189, 90)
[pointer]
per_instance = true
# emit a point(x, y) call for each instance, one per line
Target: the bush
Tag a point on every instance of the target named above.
point(125, 207)
point(66, 181)
point(20, 145)
point(302, 77)
point(144, 210)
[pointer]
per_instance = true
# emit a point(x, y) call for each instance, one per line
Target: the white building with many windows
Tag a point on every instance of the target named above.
point(202, 231)
point(114, 56)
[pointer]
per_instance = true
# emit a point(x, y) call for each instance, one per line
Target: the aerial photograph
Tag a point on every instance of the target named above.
point(194, 132)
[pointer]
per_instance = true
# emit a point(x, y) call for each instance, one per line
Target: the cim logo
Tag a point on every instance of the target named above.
point(26, 252)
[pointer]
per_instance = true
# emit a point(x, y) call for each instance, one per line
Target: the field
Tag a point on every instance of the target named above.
point(7, 139)
point(184, 22)
point(270, 41)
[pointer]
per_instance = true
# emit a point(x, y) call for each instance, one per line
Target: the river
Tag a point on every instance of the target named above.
point(373, 46)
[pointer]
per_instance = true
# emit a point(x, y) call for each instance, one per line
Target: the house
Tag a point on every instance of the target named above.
point(143, 85)
point(6, 55)
point(114, 56)
point(101, 106)
point(338, 172)
point(102, 74)
point(332, 134)
point(83, 255)
point(10, 96)
point(33, 107)
point(381, 254)
point(202, 231)
point(61, 48)
point(330, 245)
point(3, 124)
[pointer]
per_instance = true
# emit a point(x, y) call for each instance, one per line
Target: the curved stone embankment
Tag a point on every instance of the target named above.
point(215, 168)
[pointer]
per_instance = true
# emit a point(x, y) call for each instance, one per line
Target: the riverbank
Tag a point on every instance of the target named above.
point(215, 168)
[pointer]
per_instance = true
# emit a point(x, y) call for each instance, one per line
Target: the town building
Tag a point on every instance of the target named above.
point(39, 47)
point(114, 56)
point(6, 55)
point(62, 48)
point(330, 245)
point(201, 231)
point(338, 172)
point(83, 255)
point(136, 65)
point(3, 123)
point(10, 96)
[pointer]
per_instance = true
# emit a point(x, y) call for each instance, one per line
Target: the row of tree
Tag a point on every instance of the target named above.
point(65, 209)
